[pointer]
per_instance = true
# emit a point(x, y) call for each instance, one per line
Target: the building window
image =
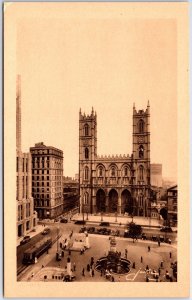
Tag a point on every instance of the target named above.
point(126, 171)
point(86, 129)
point(86, 153)
point(113, 172)
point(100, 171)
point(86, 196)
point(141, 126)
point(141, 151)
point(141, 172)
point(86, 173)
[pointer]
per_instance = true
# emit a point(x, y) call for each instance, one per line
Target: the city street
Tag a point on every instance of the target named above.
point(100, 246)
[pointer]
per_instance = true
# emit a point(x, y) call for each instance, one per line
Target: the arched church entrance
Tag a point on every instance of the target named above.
point(126, 202)
point(100, 201)
point(113, 201)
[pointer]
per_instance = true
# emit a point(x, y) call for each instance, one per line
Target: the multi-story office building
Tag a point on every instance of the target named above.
point(71, 193)
point(115, 184)
point(26, 216)
point(47, 180)
point(172, 205)
point(156, 175)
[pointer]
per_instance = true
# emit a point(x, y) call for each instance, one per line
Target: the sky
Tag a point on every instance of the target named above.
point(108, 62)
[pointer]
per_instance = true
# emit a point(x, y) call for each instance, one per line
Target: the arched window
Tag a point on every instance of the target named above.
point(126, 171)
point(86, 170)
point(141, 126)
point(86, 153)
point(141, 151)
point(86, 198)
point(100, 171)
point(141, 172)
point(86, 129)
point(113, 171)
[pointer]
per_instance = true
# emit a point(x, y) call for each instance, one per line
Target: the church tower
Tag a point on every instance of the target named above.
point(87, 156)
point(141, 159)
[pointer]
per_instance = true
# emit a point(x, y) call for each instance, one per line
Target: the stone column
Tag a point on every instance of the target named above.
point(69, 266)
point(107, 203)
point(93, 203)
point(119, 206)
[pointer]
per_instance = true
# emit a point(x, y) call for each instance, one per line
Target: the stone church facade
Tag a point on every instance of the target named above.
point(115, 184)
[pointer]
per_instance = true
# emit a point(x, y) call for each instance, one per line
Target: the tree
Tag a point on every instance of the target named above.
point(134, 230)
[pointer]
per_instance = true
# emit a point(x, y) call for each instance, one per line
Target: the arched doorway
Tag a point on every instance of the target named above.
point(100, 201)
point(113, 201)
point(126, 202)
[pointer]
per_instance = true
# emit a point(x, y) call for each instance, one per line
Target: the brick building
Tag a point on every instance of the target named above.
point(26, 216)
point(47, 180)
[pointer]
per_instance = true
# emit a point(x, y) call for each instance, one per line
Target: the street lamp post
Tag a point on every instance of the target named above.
point(83, 212)
point(115, 216)
point(57, 253)
point(101, 216)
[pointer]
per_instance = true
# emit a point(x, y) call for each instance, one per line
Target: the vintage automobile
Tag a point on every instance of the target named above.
point(64, 220)
point(46, 231)
point(166, 229)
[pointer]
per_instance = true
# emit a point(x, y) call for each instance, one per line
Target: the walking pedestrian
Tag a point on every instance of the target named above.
point(159, 271)
point(159, 243)
point(112, 279)
point(133, 265)
point(147, 267)
point(88, 267)
point(90, 272)
point(141, 259)
point(74, 267)
point(149, 248)
point(93, 273)
point(170, 255)
point(83, 272)
point(162, 264)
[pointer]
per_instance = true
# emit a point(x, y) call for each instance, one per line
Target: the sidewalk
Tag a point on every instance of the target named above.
point(119, 220)
point(38, 229)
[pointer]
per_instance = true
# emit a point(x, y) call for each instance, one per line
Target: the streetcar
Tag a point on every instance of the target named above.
point(30, 255)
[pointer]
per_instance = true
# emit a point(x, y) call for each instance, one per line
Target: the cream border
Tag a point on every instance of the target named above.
point(14, 11)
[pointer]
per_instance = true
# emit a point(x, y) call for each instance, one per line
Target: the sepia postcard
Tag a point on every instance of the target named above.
point(96, 149)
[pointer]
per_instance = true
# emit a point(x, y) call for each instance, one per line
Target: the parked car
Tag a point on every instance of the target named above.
point(46, 231)
point(126, 233)
point(166, 229)
point(167, 240)
point(143, 236)
point(80, 222)
point(91, 229)
point(161, 238)
point(64, 220)
point(115, 232)
point(154, 238)
point(25, 240)
point(83, 229)
point(104, 224)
